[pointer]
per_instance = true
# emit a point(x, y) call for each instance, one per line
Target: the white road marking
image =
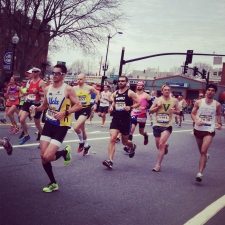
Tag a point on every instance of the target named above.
point(205, 215)
point(89, 139)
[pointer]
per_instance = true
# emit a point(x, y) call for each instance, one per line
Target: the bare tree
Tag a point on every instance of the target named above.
point(201, 66)
point(176, 70)
point(77, 67)
point(82, 23)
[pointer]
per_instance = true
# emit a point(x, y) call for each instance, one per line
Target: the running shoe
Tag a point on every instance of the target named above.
point(166, 148)
point(132, 151)
point(157, 168)
point(12, 128)
point(80, 148)
point(199, 177)
point(16, 130)
point(145, 139)
point(3, 120)
point(126, 149)
point(117, 140)
point(108, 163)
point(86, 150)
point(24, 139)
point(7, 146)
point(179, 126)
point(21, 135)
point(68, 157)
point(192, 132)
point(51, 187)
point(102, 125)
point(38, 137)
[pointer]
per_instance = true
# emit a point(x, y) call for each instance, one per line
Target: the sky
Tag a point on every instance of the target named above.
point(162, 26)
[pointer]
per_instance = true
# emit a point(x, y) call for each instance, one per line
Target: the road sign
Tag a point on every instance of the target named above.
point(7, 59)
point(113, 76)
point(61, 62)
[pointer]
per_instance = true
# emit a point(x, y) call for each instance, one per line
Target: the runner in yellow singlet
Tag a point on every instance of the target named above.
point(164, 107)
point(83, 92)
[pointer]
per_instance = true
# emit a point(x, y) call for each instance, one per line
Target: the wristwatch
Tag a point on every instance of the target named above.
point(66, 113)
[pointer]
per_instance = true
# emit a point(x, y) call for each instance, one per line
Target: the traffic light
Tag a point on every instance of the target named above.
point(203, 74)
point(189, 57)
point(195, 71)
point(185, 69)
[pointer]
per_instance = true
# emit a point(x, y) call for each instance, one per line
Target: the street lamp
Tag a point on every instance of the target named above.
point(106, 65)
point(15, 41)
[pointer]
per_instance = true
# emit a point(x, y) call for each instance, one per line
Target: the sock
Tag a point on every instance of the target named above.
point(80, 136)
point(4, 142)
point(85, 144)
point(48, 169)
point(59, 154)
point(130, 137)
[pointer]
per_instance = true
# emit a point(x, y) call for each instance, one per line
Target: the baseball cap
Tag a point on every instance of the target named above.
point(29, 71)
point(36, 69)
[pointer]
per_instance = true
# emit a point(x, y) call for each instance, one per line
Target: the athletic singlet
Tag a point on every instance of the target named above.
point(207, 113)
point(144, 104)
point(163, 117)
point(121, 100)
point(84, 96)
point(22, 98)
point(104, 95)
point(32, 97)
point(93, 96)
point(180, 104)
point(13, 96)
point(57, 102)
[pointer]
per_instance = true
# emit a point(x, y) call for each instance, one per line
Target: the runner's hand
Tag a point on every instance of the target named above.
point(199, 122)
point(94, 107)
point(59, 115)
point(218, 126)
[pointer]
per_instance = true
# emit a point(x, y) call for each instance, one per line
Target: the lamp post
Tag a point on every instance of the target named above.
point(15, 41)
point(106, 65)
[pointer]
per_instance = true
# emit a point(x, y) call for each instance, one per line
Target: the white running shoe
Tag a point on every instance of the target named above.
point(199, 177)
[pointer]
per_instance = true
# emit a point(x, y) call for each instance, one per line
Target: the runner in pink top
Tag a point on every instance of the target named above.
point(138, 115)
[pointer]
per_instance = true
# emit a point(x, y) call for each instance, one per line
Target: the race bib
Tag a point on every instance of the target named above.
point(82, 99)
point(51, 114)
point(92, 101)
point(31, 97)
point(207, 120)
point(120, 106)
point(12, 98)
point(163, 118)
point(22, 98)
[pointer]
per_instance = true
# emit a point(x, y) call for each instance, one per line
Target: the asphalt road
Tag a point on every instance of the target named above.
point(129, 194)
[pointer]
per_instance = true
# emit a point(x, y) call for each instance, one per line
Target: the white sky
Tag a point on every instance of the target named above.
point(161, 26)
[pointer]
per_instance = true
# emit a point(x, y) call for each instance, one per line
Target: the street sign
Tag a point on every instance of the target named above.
point(7, 59)
point(61, 62)
point(113, 76)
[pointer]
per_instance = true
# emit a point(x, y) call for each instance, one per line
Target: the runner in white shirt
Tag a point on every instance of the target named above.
point(205, 113)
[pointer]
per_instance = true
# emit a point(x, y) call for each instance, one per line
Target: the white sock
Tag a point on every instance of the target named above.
point(85, 144)
point(80, 136)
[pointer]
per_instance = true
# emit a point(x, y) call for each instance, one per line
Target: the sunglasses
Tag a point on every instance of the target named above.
point(121, 81)
point(35, 71)
point(57, 73)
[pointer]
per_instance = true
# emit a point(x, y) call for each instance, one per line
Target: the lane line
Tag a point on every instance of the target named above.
point(206, 214)
point(89, 139)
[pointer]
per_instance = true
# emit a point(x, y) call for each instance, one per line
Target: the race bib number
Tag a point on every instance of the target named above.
point(31, 97)
point(207, 120)
point(51, 114)
point(163, 118)
point(82, 99)
point(120, 106)
point(92, 101)
point(136, 110)
point(12, 98)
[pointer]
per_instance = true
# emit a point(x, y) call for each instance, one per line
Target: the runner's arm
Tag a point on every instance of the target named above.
point(71, 94)
point(42, 86)
point(218, 116)
point(44, 104)
point(155, 106)
point(135, 99)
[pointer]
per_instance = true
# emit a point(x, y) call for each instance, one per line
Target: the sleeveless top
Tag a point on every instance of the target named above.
point(57, 102)
point(83, 95)
point(180, 104)
point(163, 117)
point(93, 95)
point(13, 96)
point(207, 113)
point(144, 104)
point(121, 100)
point(22, 98)
point(104, 95)
point(32, 97)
